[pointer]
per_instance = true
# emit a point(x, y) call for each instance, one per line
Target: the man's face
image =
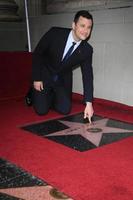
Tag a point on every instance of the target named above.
point(82, 29)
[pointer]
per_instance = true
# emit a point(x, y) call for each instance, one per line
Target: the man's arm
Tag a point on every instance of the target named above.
point(38, 59)
point(87, 77)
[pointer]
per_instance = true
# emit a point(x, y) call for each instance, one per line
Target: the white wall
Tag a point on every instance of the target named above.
point(112, 40)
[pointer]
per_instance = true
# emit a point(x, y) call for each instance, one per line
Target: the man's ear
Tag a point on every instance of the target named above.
point(73, 25)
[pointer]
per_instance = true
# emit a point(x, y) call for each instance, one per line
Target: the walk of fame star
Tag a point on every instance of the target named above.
point(92, 132)
point(33, 193)
point(18, 184)
point(71, 131)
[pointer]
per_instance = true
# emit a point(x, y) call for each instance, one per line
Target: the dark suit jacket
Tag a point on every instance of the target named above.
point(47, 61)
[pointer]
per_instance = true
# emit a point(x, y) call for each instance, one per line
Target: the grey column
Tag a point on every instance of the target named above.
point(8, 10)
point(35, 7)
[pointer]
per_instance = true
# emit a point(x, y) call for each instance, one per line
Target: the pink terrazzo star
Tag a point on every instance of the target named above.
point(33, 193)
point(92, 132)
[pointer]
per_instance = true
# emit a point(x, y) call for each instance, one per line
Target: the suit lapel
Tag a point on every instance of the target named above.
point(77, 53)
point(62, 44)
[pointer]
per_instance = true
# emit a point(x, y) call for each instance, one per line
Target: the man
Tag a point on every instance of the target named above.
point(52, 66)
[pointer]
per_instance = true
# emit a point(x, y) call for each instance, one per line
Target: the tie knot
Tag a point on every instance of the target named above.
point(73, 43)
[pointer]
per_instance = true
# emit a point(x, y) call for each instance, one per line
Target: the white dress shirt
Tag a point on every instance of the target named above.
point(69, 43)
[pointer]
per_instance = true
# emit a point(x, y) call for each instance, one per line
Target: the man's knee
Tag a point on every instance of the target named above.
point(41, 103)
point(40, 111)
point(65, 110)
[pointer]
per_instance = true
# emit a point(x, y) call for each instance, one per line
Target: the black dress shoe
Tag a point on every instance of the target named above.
point(28, 98)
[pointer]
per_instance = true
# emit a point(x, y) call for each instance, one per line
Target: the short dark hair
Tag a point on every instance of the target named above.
point(83, 13)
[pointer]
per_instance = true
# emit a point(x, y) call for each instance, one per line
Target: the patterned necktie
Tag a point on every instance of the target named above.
point(69, 52)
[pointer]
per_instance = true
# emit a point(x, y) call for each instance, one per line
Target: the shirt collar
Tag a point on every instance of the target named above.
point(71, 39)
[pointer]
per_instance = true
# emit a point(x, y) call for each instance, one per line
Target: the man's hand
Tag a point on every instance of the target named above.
point(38, 85)
point(88, 112)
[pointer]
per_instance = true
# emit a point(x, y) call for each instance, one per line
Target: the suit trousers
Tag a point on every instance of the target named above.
point(52, 97)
